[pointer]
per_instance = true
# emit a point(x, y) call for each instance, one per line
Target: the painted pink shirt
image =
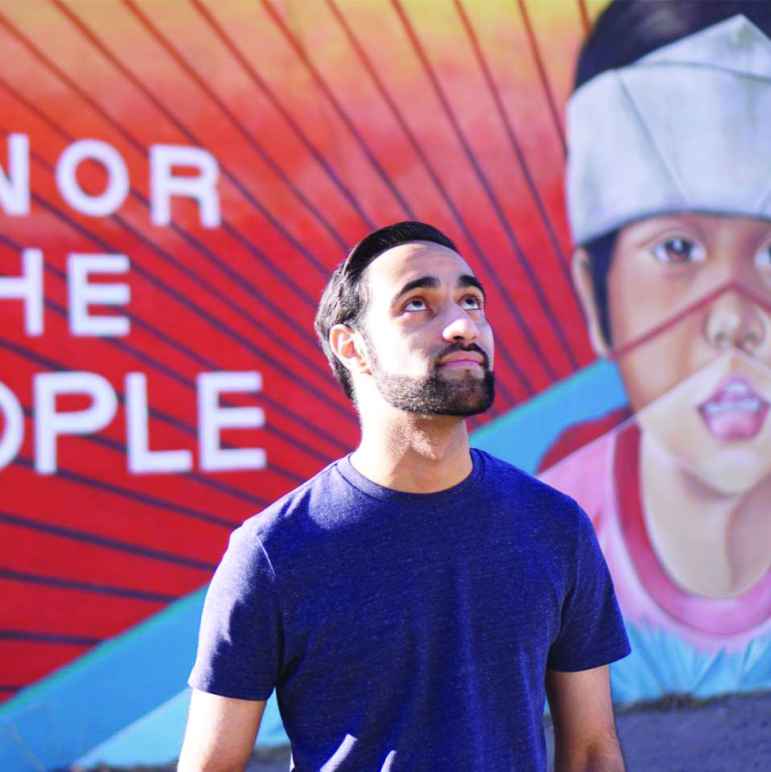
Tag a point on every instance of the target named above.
point(603, 476)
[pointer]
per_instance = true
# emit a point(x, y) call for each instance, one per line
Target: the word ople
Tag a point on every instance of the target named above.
point(50, 424)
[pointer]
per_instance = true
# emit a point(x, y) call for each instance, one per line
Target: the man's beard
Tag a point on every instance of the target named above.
point(435, 395)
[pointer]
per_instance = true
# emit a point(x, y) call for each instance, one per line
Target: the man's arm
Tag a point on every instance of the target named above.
point(582, 713)
point(220, 733)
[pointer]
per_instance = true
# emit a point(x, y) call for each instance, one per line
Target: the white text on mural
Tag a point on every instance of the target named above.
point(50, 422)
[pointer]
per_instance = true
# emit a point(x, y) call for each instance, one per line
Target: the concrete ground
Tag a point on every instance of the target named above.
point(729, 734)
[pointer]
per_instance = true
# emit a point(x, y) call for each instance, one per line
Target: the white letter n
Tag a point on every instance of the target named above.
point(14, 187)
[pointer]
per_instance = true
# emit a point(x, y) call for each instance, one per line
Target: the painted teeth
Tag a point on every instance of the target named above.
point(736, 389)
point(750, 405)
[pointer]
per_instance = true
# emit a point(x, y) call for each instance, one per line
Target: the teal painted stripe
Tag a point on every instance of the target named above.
point(54, 722)
point(525, 433)
point(156, 738)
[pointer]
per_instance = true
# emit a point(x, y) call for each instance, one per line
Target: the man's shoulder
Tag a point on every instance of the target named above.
point(521, 487)
point(547, 518)
point(291, 511)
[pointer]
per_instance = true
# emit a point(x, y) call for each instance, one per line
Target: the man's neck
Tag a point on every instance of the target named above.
point(410, 453)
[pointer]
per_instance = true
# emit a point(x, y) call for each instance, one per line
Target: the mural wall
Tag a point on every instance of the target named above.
point(176, 182)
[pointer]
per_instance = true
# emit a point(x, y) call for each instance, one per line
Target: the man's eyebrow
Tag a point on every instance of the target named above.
point(422, 282)
point(467, 280)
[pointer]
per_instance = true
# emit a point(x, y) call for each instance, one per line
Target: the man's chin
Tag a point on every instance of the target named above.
point(472, 402)
point(439, 396)
point(469, 407)
point(465, 412)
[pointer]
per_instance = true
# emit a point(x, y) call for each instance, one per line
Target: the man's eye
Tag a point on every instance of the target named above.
point(679, 251)
point(471, 302)
point(415, 304)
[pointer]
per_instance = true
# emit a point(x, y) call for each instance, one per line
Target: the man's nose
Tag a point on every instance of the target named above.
point(460, 327)
point(735, 320)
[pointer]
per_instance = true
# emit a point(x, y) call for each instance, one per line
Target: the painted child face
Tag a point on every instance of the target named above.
point(690, 319)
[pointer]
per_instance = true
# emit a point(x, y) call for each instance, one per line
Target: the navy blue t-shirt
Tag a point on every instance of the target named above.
point(408, 631)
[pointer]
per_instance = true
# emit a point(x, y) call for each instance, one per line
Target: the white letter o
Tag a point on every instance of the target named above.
point(117, 177)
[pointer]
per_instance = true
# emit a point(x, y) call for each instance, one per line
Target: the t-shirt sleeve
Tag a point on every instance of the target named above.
point(240, 638)
point(592, 630)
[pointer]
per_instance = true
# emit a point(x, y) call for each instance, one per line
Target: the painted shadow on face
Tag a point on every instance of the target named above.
point(684, 292)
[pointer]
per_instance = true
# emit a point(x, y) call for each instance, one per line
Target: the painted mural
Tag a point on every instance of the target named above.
point(177, 180)
point(669, 203)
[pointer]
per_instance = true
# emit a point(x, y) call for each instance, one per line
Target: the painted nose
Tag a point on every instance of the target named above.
point(736, 321)
point(460, 329)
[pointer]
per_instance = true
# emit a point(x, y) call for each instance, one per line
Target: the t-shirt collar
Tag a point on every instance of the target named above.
point(372, 489)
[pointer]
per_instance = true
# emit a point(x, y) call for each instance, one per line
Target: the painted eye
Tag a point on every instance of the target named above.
point(679, 250)
point(471, 303)
point(415, 304)
point(763, 258)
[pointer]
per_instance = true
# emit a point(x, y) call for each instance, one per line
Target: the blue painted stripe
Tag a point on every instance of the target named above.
point(30, 637)
point(524, 434)
point(142, 498)
point(69, 584)
point(103, 541)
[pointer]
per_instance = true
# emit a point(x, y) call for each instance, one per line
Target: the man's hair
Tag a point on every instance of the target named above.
point(624, 32)
point(345, 297)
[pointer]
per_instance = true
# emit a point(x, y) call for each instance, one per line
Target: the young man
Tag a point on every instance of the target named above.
point(413, 602)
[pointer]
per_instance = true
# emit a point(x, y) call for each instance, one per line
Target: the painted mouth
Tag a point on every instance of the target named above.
point(735, 411)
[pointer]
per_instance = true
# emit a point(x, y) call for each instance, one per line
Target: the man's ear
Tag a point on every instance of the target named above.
point(348, 347)
point(582, 279)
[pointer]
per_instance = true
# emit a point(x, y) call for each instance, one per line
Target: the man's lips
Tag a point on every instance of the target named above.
point(735, 411)
point(462, 359)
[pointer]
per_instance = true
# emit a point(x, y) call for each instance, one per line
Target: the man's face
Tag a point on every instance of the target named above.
point(701, 385)
point(428, 342)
